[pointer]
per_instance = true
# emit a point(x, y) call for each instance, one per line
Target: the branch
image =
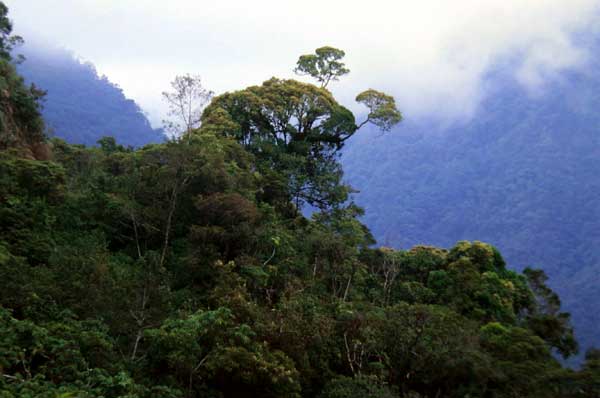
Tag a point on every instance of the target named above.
point(348, 352)
point(363, 123)
point(12, 377)
point(270, 258)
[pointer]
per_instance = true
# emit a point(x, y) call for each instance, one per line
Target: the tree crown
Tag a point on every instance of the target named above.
point(324, 65)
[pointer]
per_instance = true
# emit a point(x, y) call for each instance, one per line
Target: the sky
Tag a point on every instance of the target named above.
point(432, 55)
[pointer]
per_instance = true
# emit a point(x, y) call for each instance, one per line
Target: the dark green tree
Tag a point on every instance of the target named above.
point(546, 318)
point(343, 387)
point(589, 376)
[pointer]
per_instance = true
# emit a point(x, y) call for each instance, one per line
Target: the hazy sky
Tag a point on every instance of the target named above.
point(430, 54)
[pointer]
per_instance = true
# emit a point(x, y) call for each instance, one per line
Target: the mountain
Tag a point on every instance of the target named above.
point(522, 174)
point(81, 106)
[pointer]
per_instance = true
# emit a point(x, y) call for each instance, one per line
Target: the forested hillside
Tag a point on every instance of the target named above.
point(522, 173)
point(80, 106)
point(187, 269)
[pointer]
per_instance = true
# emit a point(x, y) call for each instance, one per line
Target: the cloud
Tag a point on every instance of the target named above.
point(431, 54)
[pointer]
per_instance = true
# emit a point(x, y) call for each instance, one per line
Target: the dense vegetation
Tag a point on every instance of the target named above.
point(80, 106)
point(21, 124)
point(186, 269)
point(523, 174)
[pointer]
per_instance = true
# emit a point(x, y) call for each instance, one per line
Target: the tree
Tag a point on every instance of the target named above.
point(294, 129)
point(324, 65)
point(186, 102)
point(7, 41)
point(546, 318)
point(589, 376)
point(287, 114)
point(522, 362)
point(284, 121)
point(297, 130)
point(382, 109)
point(209, 349)
point(21, 124)
point(363, 387)
point(427, 349)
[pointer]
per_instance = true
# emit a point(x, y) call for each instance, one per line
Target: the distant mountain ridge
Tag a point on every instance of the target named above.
point(523, 174)
point(80, 106)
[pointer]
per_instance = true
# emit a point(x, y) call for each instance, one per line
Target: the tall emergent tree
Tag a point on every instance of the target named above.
point(296, 129)
point(325, 66)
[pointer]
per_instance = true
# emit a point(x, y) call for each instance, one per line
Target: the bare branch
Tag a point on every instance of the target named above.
point(186, 103)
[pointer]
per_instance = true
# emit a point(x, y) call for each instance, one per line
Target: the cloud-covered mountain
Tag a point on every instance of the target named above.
point(81, 106)
point(522, 174)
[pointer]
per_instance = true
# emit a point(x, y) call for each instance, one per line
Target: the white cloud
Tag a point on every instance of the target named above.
point(431, 54)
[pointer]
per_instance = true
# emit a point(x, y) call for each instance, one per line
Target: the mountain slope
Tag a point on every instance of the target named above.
point(522, 174)
point(81, 106)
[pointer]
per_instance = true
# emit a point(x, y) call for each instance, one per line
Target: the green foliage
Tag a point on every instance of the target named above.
point(324, 65)
point(21, 125)
point(185, 269)
point(507, 175)
point(63, 357)
point(7, 40)
point(294, 129)
point(343, 387)
point(522, 361)
point(382, 109)
point(209, 345)
point(546, 319)
point(587, 382)
point(166, 272)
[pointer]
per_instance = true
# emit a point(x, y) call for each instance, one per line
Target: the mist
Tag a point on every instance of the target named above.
point(433, 56)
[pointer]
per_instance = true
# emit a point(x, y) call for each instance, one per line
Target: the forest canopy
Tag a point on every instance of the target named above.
point(187, 269)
